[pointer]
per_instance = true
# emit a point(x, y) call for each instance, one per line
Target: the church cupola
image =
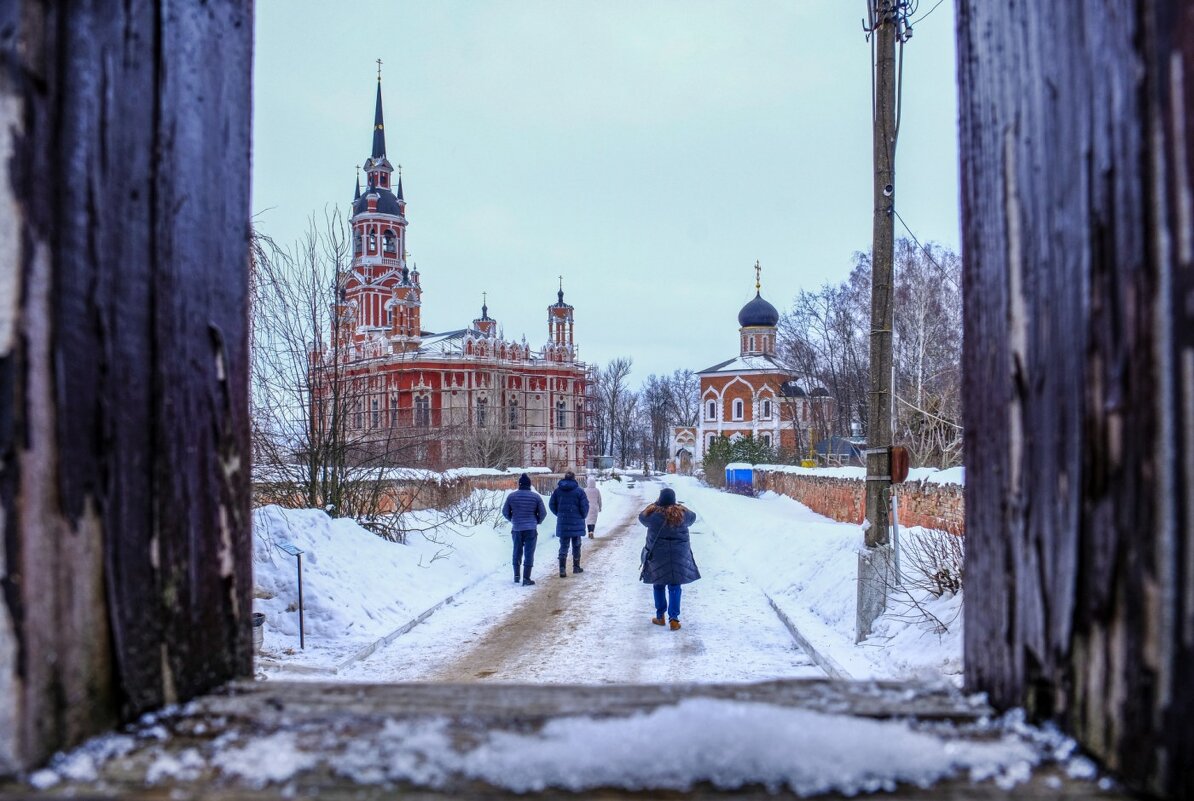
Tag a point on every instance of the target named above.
point(485, 325)
point(757, 321)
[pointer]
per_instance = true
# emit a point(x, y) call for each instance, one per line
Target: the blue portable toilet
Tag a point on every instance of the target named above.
point(740, 478)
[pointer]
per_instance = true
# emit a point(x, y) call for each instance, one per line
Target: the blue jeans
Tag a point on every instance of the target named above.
point(670, 603)
point(524, 548)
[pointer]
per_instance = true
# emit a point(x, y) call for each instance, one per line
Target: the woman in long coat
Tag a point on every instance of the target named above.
point(667, 557)
point(593, 493)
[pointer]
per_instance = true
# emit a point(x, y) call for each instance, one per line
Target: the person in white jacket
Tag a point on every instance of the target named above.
point(594, 496)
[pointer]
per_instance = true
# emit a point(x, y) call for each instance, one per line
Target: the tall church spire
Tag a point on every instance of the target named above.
point(379, 130)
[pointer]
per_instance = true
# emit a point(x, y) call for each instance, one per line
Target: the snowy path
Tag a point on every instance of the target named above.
point(595, 628)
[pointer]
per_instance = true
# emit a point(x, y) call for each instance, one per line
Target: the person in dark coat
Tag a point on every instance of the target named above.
point(570, 506)
point(667, 556)
point(524, 509)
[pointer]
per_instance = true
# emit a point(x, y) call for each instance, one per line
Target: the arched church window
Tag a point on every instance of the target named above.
point(391, 242)
point(711, 410)
point(372, 242)
point(374, 413)
point(513, 413)
point(356, 242)
point(422, 411)
point(767, 408)
point(482, 412)
point(561, 414)
point(738, 408)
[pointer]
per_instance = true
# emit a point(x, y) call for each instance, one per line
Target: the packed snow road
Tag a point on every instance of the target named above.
point(595, 627)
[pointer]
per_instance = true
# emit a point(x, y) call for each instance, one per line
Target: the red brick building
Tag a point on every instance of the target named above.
point(751, 394)
point(443, 390)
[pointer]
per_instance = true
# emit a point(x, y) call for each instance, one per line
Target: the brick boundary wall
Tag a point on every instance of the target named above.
point(401, 495)
point(922, 503)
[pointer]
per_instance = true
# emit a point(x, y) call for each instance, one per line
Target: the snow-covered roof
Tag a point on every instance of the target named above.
point(742, 364)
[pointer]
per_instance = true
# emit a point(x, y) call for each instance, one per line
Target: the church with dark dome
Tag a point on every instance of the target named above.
point(752, 394)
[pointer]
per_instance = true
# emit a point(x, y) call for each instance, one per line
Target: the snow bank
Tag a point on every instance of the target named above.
point(358, 587)
point(954, 475)
point(808, 565)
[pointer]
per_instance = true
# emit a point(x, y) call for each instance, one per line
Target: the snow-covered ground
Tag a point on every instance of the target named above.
point(808, 565)
point(585, 629)
point(360, 590)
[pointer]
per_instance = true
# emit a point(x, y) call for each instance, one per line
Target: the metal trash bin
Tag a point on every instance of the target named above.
point(258, 631)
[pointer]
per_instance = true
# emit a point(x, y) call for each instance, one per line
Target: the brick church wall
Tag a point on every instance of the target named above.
point(843, 498)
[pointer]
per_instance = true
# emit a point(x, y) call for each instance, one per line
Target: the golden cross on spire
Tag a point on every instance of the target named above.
point(484, 298)
point(758, 270)
point(400, 169)
point(561, 283)
point(379, 70)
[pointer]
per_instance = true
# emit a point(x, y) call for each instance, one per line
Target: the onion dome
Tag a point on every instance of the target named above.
point(386, 202)
point(758, 313)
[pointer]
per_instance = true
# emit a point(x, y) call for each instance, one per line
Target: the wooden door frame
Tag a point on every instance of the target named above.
point(124, 432)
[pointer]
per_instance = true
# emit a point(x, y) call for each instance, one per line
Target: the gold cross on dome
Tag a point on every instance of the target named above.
point(561, 283)
point(758, 270)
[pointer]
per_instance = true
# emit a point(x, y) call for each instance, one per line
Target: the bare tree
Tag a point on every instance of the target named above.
point(320, 436)
point(928, 353)
point(659, 417)
point(490, 445)
point(612, 386)
point(822, 341)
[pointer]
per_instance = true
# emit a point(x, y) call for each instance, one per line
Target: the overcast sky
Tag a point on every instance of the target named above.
point(649, 151)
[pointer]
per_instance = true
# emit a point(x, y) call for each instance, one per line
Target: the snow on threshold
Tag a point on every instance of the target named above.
point(727, 743)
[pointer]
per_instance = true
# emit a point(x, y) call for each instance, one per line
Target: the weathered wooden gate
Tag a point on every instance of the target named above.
point(124, 480)
point(1077, 170)
point(124, 145)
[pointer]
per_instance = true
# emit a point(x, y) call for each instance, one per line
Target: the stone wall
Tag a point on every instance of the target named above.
point(921, 503)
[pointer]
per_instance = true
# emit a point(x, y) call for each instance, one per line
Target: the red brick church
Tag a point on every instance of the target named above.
point(752, 394)
point(445, 392)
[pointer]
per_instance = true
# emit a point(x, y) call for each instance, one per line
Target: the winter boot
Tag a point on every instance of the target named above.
point(517, 577)
point(526, 577)
point(675, 624)
point(657, 620)
point(576, 568)
point(563, 565)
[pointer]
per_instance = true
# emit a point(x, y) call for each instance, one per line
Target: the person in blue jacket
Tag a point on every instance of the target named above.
point(667, 557)
point(570, 506)
point(524, 509)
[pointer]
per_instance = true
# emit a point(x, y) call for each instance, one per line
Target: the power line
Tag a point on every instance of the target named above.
point(923, 16)
point(926, 250)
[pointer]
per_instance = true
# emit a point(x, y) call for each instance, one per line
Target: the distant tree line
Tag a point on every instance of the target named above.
point(824, 339)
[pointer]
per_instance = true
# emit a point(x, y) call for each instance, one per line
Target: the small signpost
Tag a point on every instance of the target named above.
point(297, 553)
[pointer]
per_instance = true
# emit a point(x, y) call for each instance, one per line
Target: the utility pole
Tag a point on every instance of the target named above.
point(887, 25)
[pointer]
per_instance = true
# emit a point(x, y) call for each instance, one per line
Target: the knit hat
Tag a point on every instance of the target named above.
point(667, 497)
point(524, 481)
